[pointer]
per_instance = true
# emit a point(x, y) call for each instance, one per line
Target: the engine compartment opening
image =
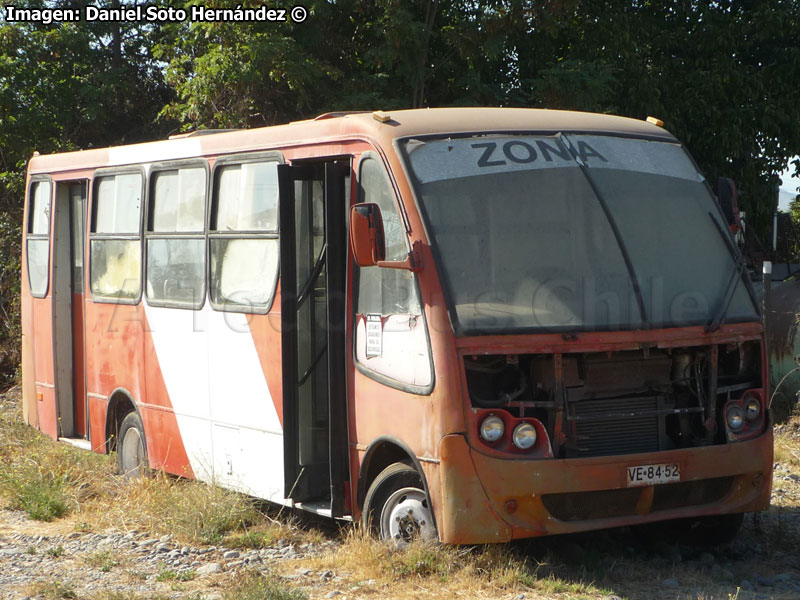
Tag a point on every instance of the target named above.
point(621, 402)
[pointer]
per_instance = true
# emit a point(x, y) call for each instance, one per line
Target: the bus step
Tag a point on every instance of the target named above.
point(319, 507)
point(77, 442)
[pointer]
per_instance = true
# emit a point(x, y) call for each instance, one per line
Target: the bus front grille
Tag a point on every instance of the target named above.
point(606, 427)
point(608, 504)
point(690, 493)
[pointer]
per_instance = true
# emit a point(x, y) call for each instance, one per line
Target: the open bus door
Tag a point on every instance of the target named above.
point(68, 347)
point(313, 248)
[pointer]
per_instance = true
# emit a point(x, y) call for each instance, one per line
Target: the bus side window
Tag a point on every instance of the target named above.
point(115, 246)
point(38, 237)
point(244, 236)
point(176, 257)
point(391, 337)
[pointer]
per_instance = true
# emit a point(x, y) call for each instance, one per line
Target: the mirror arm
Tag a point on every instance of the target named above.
point(372, 237)
point(412, 262)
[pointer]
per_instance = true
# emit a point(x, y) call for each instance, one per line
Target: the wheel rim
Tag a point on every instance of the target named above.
point(406, 516)
point(132, 453)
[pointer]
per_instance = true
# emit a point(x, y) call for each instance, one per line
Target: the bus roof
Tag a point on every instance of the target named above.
point(342, 126)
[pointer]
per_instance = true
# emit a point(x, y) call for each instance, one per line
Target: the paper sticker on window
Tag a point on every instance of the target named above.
point(374, 335)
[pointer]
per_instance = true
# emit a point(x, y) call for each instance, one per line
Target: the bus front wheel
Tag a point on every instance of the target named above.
point(396, 507)
point(131, 448)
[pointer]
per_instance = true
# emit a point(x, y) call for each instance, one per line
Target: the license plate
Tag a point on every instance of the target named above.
point(651, 474)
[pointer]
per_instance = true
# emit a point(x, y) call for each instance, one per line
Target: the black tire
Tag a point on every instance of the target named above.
point(697, 531)
point(398, 488)
point(131, 447)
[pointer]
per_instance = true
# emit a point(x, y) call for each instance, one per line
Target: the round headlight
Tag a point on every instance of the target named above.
point(492, 428)
point(735, 417)
point(524, 436)
point(752, 409)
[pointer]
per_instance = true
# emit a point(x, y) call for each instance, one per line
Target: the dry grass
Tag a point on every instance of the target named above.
point(45, 479)
point(262, 586)
point(435, 570)
point(53, 590)
point(103, 560)
point(49, 481)
point(787, 442)
point(114, 595)
point(190, 511)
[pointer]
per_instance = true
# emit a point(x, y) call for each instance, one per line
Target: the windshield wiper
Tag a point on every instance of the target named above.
point(626, 257)
point(736, 275)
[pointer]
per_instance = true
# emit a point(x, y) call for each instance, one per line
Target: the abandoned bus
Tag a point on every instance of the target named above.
point(466, 324)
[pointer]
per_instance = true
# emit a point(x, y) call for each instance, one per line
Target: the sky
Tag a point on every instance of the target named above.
point(789, 187)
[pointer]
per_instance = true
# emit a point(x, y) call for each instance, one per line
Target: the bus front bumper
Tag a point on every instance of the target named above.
point(487, 499)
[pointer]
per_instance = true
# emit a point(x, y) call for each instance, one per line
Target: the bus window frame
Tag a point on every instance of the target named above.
point(147, 234)
point(420, 390)
point(39, 236)
point(92, 235)
point(211, 213)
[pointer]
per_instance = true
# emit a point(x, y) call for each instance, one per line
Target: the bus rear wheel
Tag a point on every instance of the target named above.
point(396, 507)
point(131, 447)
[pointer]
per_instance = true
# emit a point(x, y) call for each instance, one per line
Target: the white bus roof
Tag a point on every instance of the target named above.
point(347, 126)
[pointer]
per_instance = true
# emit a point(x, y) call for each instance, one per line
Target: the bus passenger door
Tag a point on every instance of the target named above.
point(37, 311)
point(68, 347)
point(313, 310)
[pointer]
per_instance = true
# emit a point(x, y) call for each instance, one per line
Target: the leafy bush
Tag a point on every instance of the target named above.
point(10, 325)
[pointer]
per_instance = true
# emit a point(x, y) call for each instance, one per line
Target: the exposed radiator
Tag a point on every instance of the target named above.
point(612, 426)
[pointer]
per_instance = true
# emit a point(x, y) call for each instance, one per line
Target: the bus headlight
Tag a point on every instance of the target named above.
point(524, 436)
point(734, 416)
point(752, 410)
point(492, 428)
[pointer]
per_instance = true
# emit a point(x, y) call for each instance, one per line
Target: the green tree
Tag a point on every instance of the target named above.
point(722, 76)
point(64, 87)
point(348, 55)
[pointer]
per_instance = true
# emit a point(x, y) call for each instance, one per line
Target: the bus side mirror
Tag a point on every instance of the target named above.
point(728, 197)
point(366, 234)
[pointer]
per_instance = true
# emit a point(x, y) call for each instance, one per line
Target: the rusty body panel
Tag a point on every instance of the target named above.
point(612, 340)
point(490, 499)
point(602, 480)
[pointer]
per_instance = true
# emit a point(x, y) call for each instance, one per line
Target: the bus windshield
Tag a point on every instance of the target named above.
point(575, 233)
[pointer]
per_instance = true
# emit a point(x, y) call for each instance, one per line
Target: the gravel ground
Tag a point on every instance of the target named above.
point(762, 563)
point(95, 565)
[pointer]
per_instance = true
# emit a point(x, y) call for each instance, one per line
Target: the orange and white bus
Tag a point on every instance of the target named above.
point(466, 324)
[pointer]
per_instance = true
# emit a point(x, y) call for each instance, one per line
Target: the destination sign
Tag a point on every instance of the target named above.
point(465, 157)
